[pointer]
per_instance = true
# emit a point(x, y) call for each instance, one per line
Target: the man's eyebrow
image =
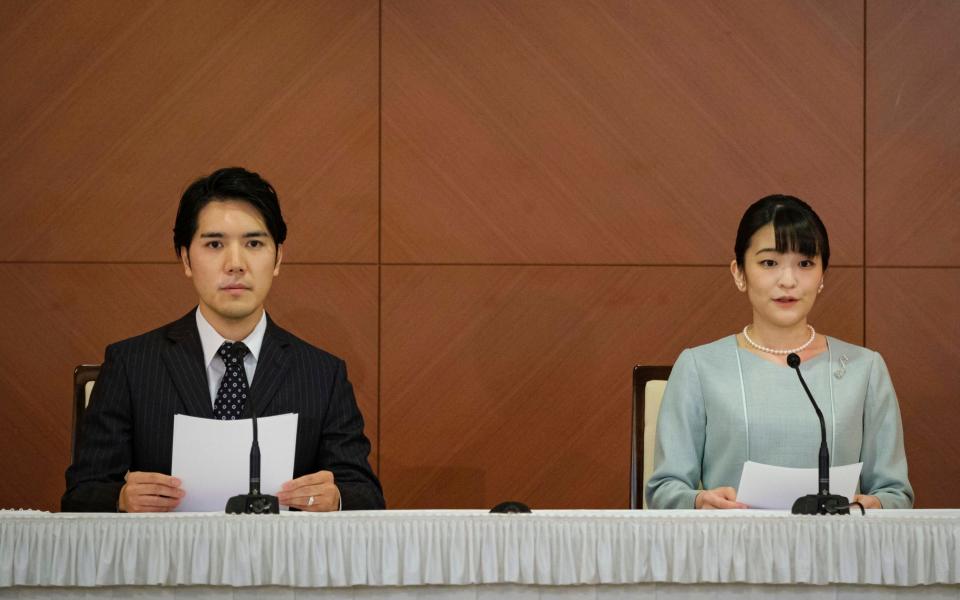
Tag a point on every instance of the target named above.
point(249, 234)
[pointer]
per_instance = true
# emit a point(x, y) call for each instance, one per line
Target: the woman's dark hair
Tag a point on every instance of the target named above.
point(797, 228)
point(232, 183)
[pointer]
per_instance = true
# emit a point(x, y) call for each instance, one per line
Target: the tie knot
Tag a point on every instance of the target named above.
point(232, 351)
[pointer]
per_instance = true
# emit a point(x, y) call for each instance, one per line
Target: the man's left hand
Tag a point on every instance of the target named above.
point(315, 492)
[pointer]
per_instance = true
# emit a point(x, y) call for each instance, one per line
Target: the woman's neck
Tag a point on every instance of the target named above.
point(779, 338)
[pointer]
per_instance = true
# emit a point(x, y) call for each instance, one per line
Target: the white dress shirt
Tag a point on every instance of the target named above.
point(211, 341)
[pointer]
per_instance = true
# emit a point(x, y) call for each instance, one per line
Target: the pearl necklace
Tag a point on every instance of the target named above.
point(797, 350)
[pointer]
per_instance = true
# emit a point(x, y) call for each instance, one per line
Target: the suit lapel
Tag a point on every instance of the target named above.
point(272, 366)
point(183, 358)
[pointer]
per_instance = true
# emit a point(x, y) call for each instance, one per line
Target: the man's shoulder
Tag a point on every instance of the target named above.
point(301, 347)
point(157, 337)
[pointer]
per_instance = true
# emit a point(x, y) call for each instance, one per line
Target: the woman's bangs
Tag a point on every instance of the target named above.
point(796, 233)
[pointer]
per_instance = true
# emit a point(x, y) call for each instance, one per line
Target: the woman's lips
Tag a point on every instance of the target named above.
point(786, 301)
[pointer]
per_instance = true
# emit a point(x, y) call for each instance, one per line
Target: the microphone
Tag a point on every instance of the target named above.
point(823, 502)
point(510, 507)
point(253, 503)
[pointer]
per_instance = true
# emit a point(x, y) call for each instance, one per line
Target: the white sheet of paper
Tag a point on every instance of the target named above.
point(767, 486)
point(212, 458)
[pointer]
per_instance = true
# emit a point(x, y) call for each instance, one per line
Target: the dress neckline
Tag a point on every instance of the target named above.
point(813, 360)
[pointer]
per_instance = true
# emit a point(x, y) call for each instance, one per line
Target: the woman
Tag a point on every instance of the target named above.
point(736, 399)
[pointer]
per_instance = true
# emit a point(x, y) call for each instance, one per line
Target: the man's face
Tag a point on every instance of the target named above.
point(232, 260)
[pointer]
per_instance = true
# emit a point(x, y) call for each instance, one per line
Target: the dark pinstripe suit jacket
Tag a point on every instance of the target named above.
point(145, 380)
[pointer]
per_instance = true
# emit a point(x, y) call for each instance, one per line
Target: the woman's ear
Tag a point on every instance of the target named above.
point(738, 276)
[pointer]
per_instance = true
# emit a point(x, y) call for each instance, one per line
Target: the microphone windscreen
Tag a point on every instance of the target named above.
point(793, 360)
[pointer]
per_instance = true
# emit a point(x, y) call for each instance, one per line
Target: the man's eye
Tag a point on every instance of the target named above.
point(215, 244)
point(255, 243)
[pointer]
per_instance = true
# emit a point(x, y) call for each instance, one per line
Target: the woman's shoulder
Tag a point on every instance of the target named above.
point(854, 357)
point(716, 354)
point(723, 346)
point(841, 348)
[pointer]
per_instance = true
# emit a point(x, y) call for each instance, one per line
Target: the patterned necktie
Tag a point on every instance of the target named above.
point(233, 391)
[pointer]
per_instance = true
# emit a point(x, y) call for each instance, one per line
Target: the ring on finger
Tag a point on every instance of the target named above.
point(310, 501)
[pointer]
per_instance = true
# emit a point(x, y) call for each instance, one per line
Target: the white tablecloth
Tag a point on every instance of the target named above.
point(459, 548)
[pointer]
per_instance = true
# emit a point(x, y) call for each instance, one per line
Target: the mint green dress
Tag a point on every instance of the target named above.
point(723, 405)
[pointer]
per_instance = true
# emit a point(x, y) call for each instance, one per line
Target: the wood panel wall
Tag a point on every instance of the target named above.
point(496, 208)
point(913, 239)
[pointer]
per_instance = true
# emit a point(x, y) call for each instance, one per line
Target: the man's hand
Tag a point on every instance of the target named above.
point(721, 497)
point(868, 501)
point(315, 492)
point(149, 492)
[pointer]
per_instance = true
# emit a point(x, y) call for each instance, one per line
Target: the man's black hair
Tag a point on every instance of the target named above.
point(231, 183)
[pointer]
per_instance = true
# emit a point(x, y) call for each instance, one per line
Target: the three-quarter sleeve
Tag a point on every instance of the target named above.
point(884, 460)
point(681, 431)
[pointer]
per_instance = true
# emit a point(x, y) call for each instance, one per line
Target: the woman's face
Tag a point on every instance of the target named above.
point(782, 287)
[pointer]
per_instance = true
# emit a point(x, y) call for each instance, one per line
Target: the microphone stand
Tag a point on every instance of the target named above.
point(823, 502)
point(253, 503)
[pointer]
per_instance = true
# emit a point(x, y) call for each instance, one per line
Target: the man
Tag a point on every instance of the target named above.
point(229, 235)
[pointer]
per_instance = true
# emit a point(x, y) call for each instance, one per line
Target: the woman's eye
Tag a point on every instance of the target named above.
point(806, 264)
point(768, 263)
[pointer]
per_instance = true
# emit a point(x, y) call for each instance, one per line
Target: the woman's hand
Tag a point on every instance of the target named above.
point(868, 501)
point(721, 497)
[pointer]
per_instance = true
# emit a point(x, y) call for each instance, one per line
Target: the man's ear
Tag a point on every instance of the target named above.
point(279, 259)
point(185, 259)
